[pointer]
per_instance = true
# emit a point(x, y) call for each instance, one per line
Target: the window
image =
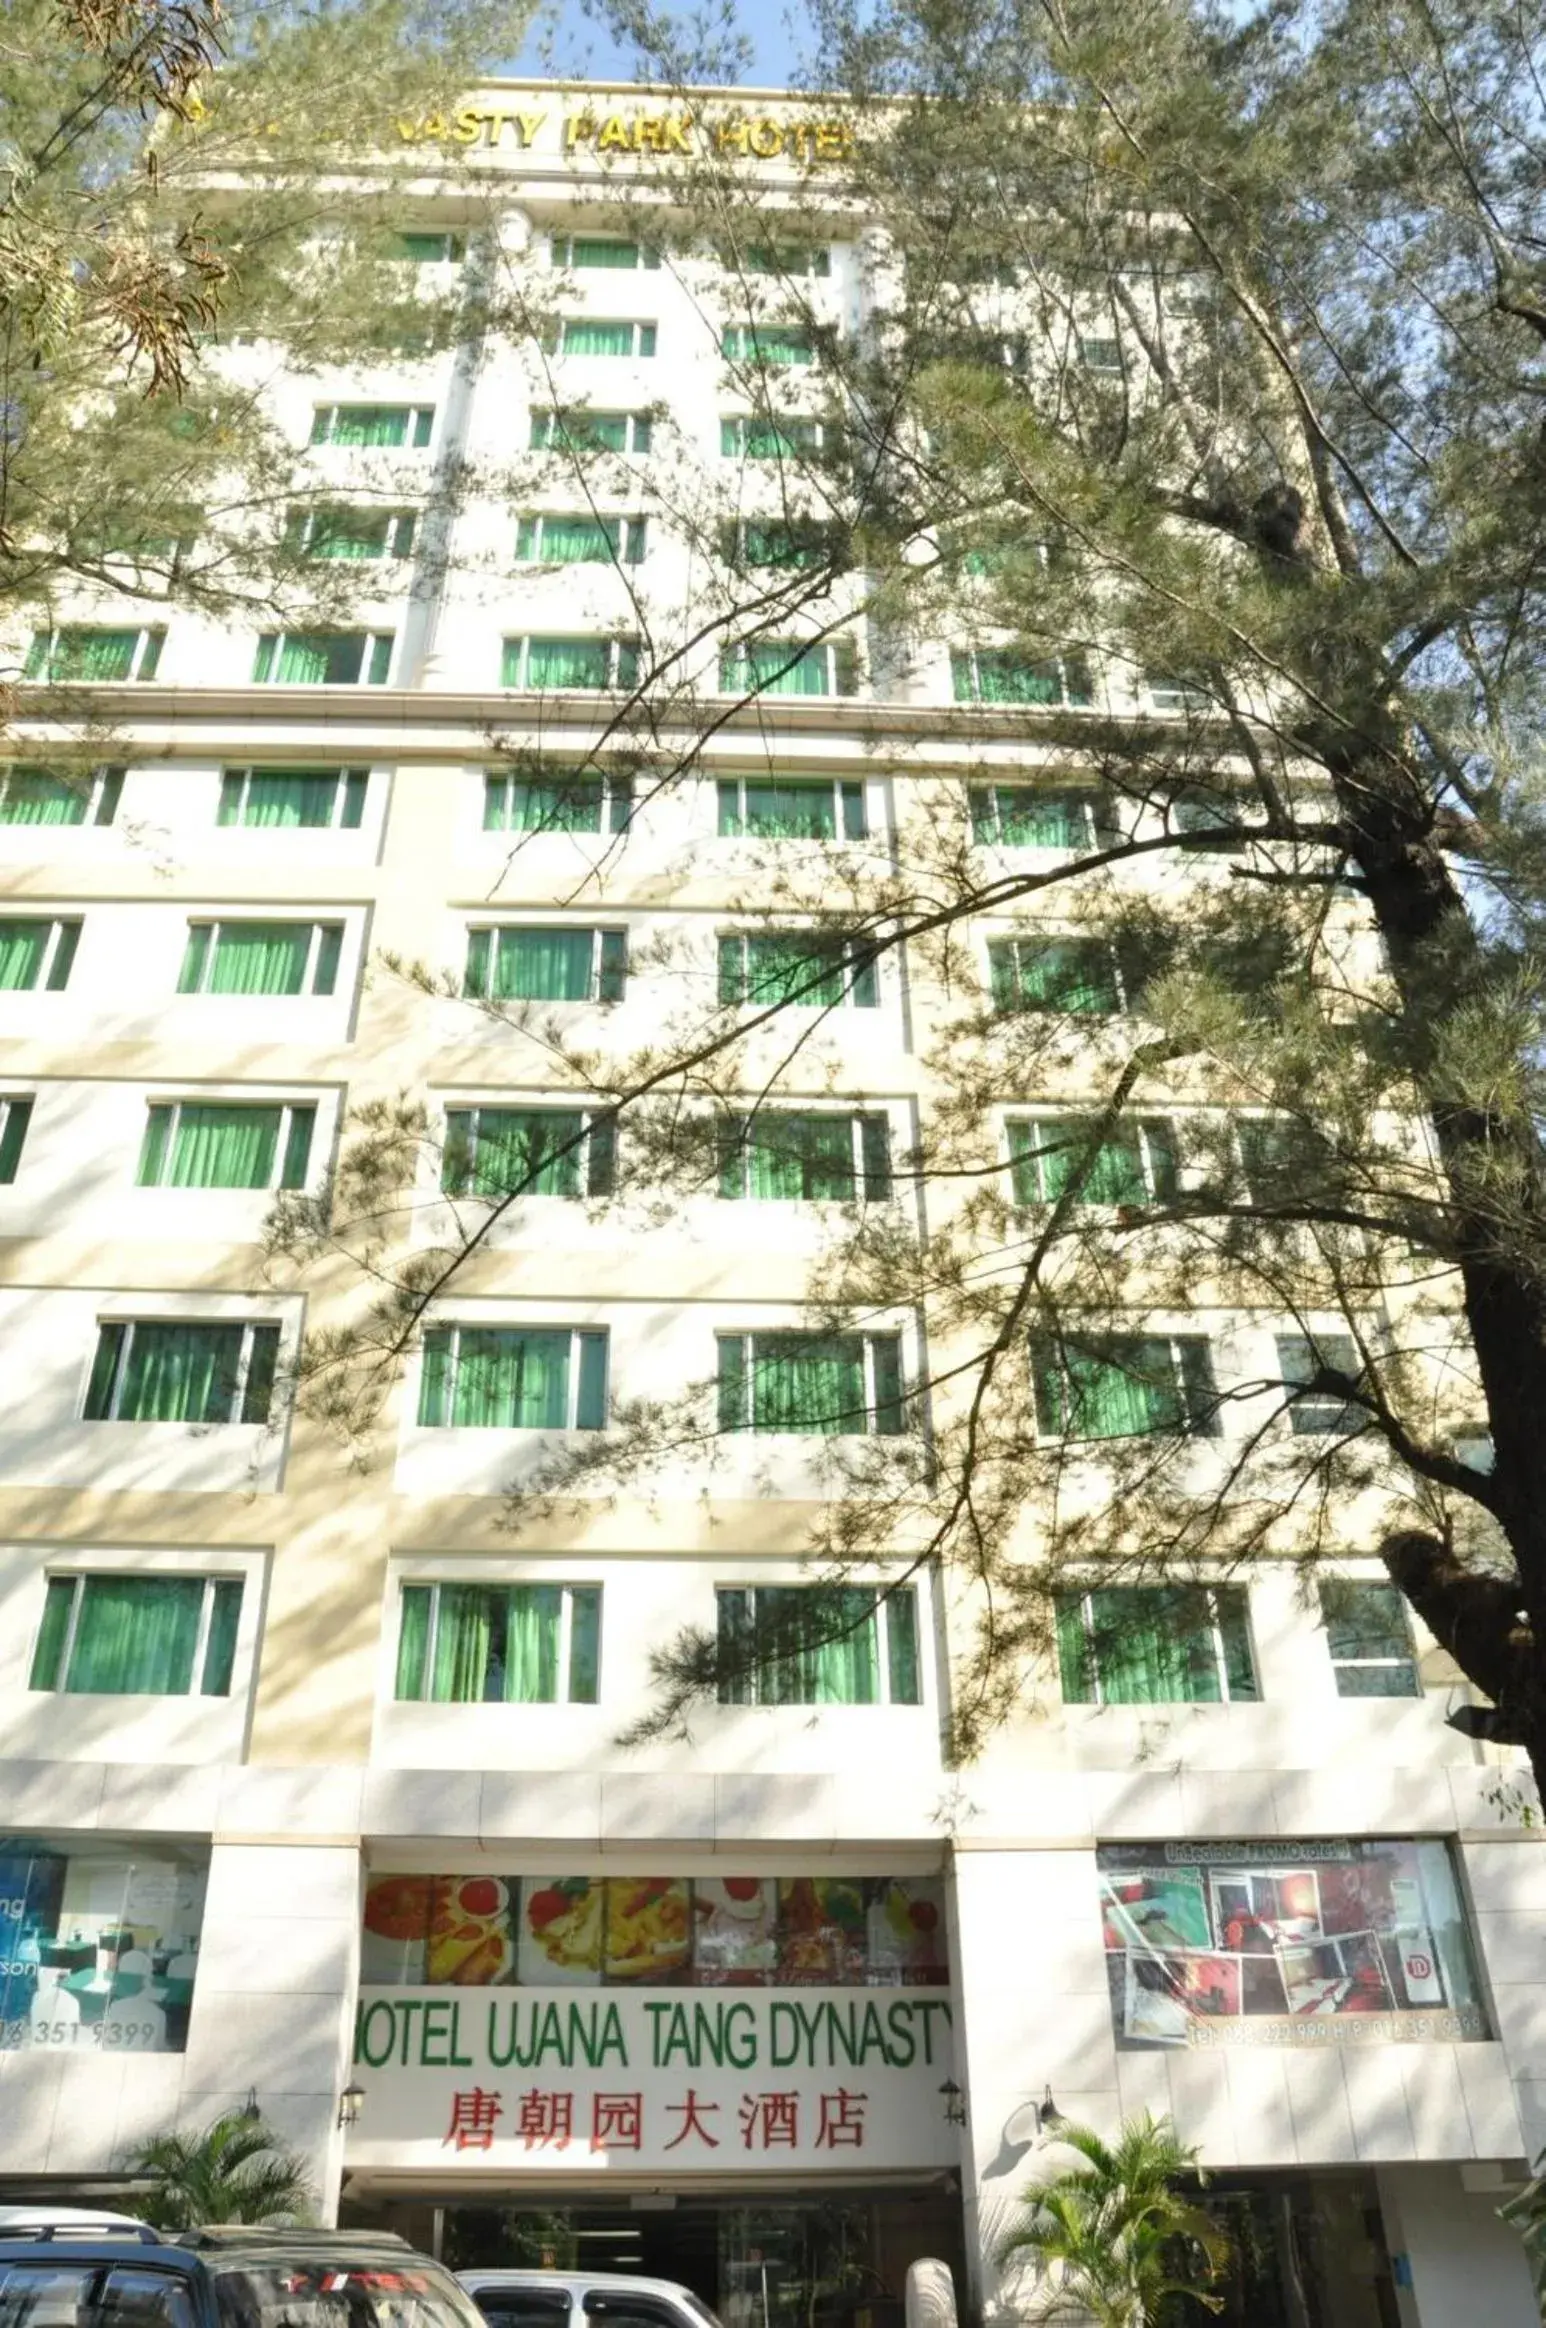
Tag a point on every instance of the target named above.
point(757, 437)
point(78, 653)
point(542, 963)
point(596, 432)
point(1134, 1163)
point(1077, 975)
point(429, 249)
point(15, 1116)
point(1024, 816)
point(150, 1370)
point(1100, 355)
point(789, 667)
point(823, 1384)
point(373, 424)
point(1001, 677)
point(539, 1151)
point(36, 953)
point(560, 800)
point(1318, 1412)
point(591, 664)
point(351, 533)
point(581, 541)
point(1169, 693)
point(513, 1378)
point(261, 957)
point(766, 343)
point(818, 1645)
point(500, 1644)
point(804, 967)
point(782, 259)
point(1282, 1157)
point(321, 798)
point(580, 251)
point(773, 809)
point(138, 1636)
point(216, 1144)
point(787, 545)
point(1150, 1645)
point(590, 335)
point(1122, 1386)
point(1369, 1638)
point(323, 658)
point(778, 1154)
point(1196, 810)
point(42, 796)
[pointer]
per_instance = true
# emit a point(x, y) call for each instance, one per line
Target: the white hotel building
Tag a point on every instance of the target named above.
point(290, 1810)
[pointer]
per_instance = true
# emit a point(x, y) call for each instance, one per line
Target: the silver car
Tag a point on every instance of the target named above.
point(579, 2299)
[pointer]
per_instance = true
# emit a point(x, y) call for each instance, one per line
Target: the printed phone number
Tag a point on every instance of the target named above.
point(108, 2036)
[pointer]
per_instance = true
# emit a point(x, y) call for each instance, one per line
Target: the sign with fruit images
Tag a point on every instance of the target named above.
point(824, 2048)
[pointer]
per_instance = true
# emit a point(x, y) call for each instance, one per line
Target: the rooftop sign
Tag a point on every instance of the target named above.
point(526, 128)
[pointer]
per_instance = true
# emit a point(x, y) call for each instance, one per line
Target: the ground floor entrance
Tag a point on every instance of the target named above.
point(1305, 2251)
point(807, 2259)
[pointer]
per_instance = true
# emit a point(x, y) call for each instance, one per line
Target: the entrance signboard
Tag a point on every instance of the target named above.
point(653, 2080)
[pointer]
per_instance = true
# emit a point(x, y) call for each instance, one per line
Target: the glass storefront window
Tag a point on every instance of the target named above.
point(1293, 1943)
point(730, 1931)
point(98, 1944)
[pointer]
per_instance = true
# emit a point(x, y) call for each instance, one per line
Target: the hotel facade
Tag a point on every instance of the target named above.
point(309, 1751)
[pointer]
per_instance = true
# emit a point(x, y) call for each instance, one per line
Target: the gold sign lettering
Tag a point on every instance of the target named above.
point(762, 139)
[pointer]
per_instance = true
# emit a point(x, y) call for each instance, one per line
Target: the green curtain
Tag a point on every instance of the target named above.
point(804, 1156)
point(180, 1374)
point(566, 663)
point(808, 1382)
point(220, 1642)
point(136, 1634)
point(509, 1379)
point(823, 1643)
point(370, 424)
point(579, 541)
point(605, 432)
point(224, 1147)
point(93, 654)
point(1046, 1153)
point(592, 251)
point(33, 797)
point(1000, 678)
point(586, 336)
point(1024, 818)
point(777, 669)
point(260, 958)
point(584, 1645)
point(490, 1151)
point(321, 658)
point(543, 965)
point(1156, 1645)
point(1069, 974)
point(1122, 1388)
point(495, 1644)
point(786, 811)
point(543, 804)
point(277, 797)
point(783, 968)
point(23, 945)
point(348, 533)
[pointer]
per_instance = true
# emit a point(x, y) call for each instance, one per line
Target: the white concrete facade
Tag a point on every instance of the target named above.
point(309, 1771)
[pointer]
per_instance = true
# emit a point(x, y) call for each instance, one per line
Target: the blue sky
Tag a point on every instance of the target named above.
point(568, 40)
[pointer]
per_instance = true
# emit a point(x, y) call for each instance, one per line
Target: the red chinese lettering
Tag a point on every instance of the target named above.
point(473, 2117)
point(617, 2121)
point(692, 2113)
point(842, 2121)
point(545, 2118)
point(770, 2121)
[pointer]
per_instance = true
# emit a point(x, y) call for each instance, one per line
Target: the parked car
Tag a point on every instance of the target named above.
point(46, 2222)
point(228, 2277)
point(571, 2299)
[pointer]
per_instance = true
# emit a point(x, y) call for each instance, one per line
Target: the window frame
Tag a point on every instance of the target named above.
point(290, 1110)
point(645, 339)
point(1045, 1358)
point(377, 649)
point(564, 1658)
point(606, 971)
point(250, 1328)
point(561, 249)
point(753, 344)
point(1320, 1415)
point(800, 437)
point(877, 1401)
point(615, 808)
point(317, 947)
point(848, 795)
point(628, 537)
point(746, 1691)
point(80, 1578)
point(548, 421)
point(454, 238)
point(1149, 1146)
point(595, 1160)
point(351, 788)
point(100, 794)
point(144, 663)
point(418, 426)
point(839, 657)
point(1043, 943)
point(397, 545)
point(454, 1328)
point(15, 1122)
point(870, 1160)
point(861, 982)
point(1100, 829)
point(60, 948)
point(1074, 679)
point(622, 674)
point(1083, 1595)
point(1332, 1585)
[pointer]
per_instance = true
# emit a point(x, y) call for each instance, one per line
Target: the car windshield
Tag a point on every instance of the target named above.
point(319, 2294)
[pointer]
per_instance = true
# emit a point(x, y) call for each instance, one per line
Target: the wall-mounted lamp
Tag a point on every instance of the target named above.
point(955, 2106)
point(1048, 2114)
point(349, 2105)
point(251, 2115)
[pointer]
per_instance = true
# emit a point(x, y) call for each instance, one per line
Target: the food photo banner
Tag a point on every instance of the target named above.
point(1320, 1943)
point(488, 1931)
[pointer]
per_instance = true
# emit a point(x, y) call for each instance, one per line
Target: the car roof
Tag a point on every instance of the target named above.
point(124, 2246)
point(622, 2282)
